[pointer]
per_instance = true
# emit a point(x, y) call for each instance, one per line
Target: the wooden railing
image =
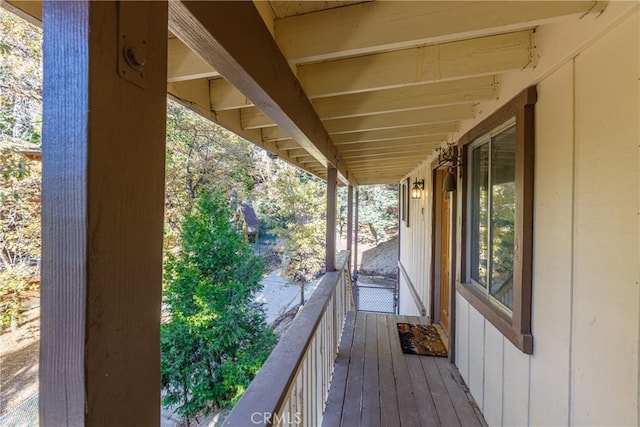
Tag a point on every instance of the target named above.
point(412, 289)
point(293, 384)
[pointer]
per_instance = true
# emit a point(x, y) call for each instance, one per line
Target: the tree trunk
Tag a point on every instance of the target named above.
point(374, 233)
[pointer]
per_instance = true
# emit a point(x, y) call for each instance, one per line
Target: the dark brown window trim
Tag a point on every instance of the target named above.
point(516, 329)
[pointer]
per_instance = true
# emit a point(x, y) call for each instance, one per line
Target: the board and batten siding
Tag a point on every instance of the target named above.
point(415, 246)
point(586, 297)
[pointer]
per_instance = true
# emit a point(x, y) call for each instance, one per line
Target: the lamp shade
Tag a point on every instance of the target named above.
point(416, 190)
point(449, 183)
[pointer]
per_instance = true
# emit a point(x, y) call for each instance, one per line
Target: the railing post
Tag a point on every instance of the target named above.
point(332, 178)
point(350, 221)
point(355, 240)
point(102, 197)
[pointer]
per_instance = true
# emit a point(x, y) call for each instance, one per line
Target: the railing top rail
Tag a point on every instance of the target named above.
point(266, 393)
point(412, 289)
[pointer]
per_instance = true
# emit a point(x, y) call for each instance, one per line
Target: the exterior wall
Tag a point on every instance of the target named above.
point(586, 310)
point(415, 246)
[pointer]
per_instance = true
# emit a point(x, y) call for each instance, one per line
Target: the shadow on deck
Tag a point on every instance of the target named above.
point(375, 384)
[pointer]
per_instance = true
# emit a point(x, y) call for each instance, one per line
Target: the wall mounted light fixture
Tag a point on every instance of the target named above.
point(416, 190)
point(449, 156)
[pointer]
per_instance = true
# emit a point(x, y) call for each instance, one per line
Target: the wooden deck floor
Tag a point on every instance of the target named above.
point(375, 384)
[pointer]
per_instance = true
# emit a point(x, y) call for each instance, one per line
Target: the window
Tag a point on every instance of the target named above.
point(498, 218)
point(492, 204)
point(404, 200)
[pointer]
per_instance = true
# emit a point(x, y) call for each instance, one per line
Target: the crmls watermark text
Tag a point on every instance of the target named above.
point(284, 419)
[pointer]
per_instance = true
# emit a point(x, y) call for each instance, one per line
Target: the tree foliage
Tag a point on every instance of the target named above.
point(377, 216)
point(19, 230)
point(20, 78)
point(20, 119)
point(201, 157)
point(217, 337)
point(378, 213)
point(292, 203)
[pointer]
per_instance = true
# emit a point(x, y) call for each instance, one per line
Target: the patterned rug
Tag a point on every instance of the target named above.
point(421, 339)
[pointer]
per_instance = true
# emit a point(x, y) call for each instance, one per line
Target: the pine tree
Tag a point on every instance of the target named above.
point(216, 339)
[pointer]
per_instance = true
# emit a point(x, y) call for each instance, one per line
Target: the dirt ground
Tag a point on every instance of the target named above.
point(19, 359)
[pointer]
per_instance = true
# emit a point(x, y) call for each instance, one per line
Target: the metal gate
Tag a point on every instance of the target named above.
point(376, 298)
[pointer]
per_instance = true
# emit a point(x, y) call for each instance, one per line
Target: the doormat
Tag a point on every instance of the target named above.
point(421, 339)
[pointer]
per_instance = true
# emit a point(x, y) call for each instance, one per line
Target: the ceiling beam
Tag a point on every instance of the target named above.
point(194, 95)
point(341, 32)
point(396, 133)
point(371, 171)
point(253, 64)
point(388, 105)
point(382, 180)
point(409, 154)
point(466, 58)
point(462, 91)
point(399, 119)
point(399, 160)
point(405, 142)
point(486, 55)
point(390, 153)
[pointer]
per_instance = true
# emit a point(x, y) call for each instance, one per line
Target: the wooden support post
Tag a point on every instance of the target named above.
point(355, 235)
point(332, 177)
point(350, 221)
point(102, 212)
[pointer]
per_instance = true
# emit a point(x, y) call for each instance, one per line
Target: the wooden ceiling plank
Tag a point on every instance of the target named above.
point(253, 64)
point(420, 141)
point(374, 174)
point(184, 64)
point(382, 180)
point(400, 119)
point(194, 95)
point(432, 94)
point(340, 33)
point(274, 134)
point(283, 9)
point(253, 118)
point(486, 55)
point(406, 161)
point(390, 152)
point(384, 157)
point(396, 133)
point(226, 97)
point(369, 165)
point(378, 170)
point(287, 144)
point(297, 152)
point(474, 57)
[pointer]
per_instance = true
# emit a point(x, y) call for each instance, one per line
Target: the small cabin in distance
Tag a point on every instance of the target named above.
point(247, 221)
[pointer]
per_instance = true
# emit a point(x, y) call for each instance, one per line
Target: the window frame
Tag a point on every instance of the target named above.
point(517, 326)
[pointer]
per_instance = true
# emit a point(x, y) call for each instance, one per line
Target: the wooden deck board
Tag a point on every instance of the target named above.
point(375, 384)
point(407, 408)
point(388, 401)
point(427, 413)
point(439, 393)
point(335, 400)
point(459, 397)
point(351, 411)
point(371, 399)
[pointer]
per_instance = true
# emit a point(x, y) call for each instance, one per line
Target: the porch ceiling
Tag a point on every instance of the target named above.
point(371, 88)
